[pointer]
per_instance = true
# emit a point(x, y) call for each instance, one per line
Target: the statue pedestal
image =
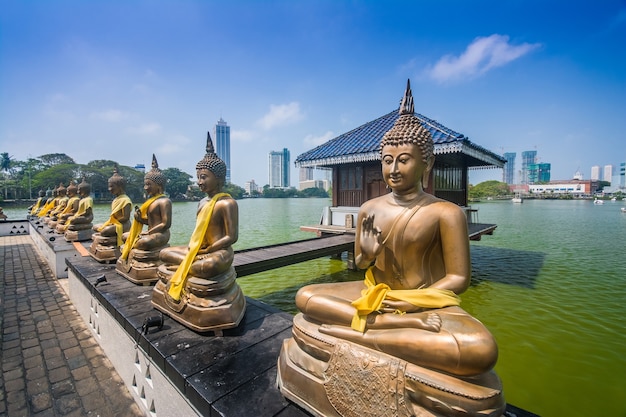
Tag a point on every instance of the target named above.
point(332, 377)
point(141, 266)
point(78, 235)
point(207, 305)
point(104, 249)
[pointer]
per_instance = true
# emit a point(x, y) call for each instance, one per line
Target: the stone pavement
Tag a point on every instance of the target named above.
point(51, 363)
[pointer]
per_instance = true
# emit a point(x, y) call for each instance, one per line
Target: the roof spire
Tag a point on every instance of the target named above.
point(406, 105)
point(209, 143)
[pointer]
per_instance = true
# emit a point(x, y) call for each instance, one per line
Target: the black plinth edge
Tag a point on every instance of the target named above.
point(229, 375)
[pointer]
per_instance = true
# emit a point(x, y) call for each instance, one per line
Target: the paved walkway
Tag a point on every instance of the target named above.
point(51, 364)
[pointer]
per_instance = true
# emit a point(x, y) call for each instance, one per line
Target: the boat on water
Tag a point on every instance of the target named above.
point(517, 198)
point(623, 209)
point(596, 201)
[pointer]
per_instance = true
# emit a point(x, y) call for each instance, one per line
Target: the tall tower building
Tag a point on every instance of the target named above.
point(529, 158)
point(608, 173)
point(508, 175)
point(222, 144)
point(279, 169)
point(595, 173)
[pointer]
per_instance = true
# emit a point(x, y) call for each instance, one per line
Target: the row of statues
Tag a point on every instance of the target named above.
point(66, 211)
point(396, 344)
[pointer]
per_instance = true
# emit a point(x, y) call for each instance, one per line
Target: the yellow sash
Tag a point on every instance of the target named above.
point(177, 283)
point(36, 206)
point(84, 204)
point(68, 206)
point(136, 227)
point(49, 206)
point(372, 299)
point(60, 206)
point(117, 205)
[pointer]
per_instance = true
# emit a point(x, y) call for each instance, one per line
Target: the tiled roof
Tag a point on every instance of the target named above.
point(361, 144)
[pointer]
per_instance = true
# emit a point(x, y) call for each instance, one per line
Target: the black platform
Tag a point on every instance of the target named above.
point(232, 375)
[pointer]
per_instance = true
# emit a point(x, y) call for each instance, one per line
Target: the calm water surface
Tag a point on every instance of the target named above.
point(550, 284)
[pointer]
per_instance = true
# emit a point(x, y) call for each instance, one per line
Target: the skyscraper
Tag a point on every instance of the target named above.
point(222, 144)
point(509, 169)
point(528, 158)
point(279, 169)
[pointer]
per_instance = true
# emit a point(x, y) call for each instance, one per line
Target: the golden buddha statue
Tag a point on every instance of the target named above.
point(71, 207)
point(107, 238)
point(140, 254)
point(397, 343)
point(78, 226)
point(197, 285)
point(61, 203)
point(51, 200)
point(41, 201)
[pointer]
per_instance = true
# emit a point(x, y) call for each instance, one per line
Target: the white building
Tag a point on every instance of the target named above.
point(251, 187)
point(595, 172)
point(608, 173)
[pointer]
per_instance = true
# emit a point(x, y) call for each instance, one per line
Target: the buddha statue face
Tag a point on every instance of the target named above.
point(152, 188)
point(115, 187)
point(208, 182)
point(403, 167)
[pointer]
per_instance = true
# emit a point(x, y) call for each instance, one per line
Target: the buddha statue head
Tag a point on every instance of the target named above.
point(61, 190)
point(42, 193)
point(155, 175)
point(409, 130)
point(72, 189)
point(116, 183)
point(211, 162)
point(84, 188)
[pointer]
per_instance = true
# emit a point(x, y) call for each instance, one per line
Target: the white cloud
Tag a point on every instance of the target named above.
point(145, 129)
point(280, 115)
point(242, 135)
point(483, 54)
point(318, 140)
point(111, 115)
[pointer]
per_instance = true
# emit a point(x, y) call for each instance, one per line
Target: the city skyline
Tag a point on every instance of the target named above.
point(510, 76)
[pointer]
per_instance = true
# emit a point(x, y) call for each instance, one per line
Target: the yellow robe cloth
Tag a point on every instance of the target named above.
point(49, 206)
point(36, 206)
point(136, 227)
point(68, 206)
point(60, 206)
point(177, 283)
point(372, 299)
point(84, 204)
point(117, 205)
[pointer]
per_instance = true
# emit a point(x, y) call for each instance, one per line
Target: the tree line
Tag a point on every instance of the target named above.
point(23, 180)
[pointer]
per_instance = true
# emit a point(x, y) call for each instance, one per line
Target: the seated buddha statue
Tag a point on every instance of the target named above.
point(140, 253)
point(397, 343)
point(61, 203)
point(107, 238)
point(71, 207)
point(41, 201)
point(78, 226)
point(51, 200)
point(197, 284)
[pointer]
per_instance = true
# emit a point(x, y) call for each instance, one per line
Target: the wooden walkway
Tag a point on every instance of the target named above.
point(251, 261)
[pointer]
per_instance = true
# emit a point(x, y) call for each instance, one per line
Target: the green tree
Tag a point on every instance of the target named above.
point(6, 163)
point(313, 192)
point(55, 175)
point(177, 182)
point(51, 159)
point(489, 189)
point(234, 190)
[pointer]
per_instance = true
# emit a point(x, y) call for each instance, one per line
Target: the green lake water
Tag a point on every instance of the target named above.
point(550, 284)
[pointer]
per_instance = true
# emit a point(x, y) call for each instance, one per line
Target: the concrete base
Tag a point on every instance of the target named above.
point(52, 247)
point(149, 386)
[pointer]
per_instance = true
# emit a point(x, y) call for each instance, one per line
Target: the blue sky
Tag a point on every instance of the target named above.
point(124, 79)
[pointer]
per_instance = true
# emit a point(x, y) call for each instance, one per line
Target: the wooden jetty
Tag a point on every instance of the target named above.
point(252, 261)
